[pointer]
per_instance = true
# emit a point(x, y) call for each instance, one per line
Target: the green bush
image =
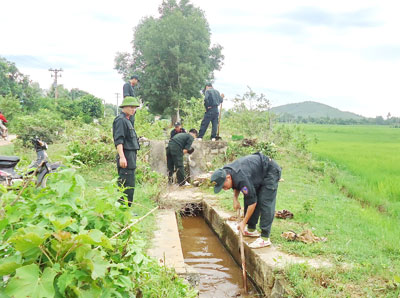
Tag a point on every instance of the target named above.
point(44, 124)
point(146, 125)
point(89, 144)
point(10, 106)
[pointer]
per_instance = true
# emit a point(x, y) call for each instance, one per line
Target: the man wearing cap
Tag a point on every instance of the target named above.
point(127, 144)
point(178, 129)
point(212, 99)
point(257, 177)
point(180, 144)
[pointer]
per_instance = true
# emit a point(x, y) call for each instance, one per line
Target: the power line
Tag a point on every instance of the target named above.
point(116, 111)
point(57, 73)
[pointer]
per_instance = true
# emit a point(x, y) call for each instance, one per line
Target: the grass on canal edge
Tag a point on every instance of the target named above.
point(362, 243)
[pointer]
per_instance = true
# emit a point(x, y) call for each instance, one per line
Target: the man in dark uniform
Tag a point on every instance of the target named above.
point(257, 177)
point(178, 129)
point(129, 90)
point(129, 87)
point(212, 99)
point(177, 146)
point(127, 144)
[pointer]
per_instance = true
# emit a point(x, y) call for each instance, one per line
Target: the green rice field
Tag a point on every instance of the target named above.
point(370, 154)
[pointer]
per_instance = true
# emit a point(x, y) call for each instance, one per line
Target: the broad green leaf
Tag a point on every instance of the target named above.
point(3, 223)
point(80, 181)
point(124, 282)
point(99, 265)
point(94, 261)
point(9, 264)
point(62, 187)
point(64, 281)
point(27, 240)
point(138, 258)
point(13, 214)
point(93, 292)
point(62, 223)
point(397, 278)
point(94, 237)
point(27, 282)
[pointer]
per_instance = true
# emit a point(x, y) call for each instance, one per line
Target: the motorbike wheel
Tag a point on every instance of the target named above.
point(44, 181)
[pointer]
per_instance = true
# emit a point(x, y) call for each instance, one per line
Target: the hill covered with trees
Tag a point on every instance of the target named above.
point(312, 109)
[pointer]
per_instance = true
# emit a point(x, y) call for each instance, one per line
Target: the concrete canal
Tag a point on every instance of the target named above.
point(219, 275)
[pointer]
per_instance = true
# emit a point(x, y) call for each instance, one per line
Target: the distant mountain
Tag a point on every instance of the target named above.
point(313, 109)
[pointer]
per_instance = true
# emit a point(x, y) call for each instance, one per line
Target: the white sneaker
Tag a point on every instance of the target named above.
point(260, 243)
point(213, 139)
point(186, 184)
point(199, 139)
point(255, 233)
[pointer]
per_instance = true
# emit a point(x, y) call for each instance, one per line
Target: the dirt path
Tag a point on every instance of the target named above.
point(8, 141)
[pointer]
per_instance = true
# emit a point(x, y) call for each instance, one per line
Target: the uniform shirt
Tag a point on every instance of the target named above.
point(250, 172)
point(124, 133)
point(212, 98)
point(183, 140)
point(174, 132)
point(128, 90)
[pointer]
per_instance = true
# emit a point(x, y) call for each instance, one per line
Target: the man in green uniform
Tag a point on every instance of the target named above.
point(127, 144)
point(180, 144)
point(257, 177)
point(212, 99)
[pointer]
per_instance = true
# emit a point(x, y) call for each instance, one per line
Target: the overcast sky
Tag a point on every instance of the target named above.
point(342, 53)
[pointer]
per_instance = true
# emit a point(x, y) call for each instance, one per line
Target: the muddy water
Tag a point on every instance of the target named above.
point(220, 276)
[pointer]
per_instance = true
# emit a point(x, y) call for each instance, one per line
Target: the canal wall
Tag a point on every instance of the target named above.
point(264, 266)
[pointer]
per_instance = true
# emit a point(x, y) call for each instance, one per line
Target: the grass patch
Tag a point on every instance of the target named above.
point(370, 154)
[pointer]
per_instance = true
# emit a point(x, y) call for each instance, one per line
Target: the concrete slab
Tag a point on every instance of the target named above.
point(166, 244)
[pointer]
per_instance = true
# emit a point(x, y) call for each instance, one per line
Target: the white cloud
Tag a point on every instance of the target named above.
point(342, 53)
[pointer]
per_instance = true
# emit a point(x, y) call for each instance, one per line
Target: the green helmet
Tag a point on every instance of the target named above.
point(130, 101)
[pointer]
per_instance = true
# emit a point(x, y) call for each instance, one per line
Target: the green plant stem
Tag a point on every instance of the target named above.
point(43, 249)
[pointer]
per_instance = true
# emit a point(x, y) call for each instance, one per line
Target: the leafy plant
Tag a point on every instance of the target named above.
point(62, 241)
point(44, 124)
point(90, 144)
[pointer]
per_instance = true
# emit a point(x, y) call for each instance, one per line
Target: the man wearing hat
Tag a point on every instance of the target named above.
point(177, 146)
point(212, 99)
point(178, 129)
point(257, 177)
point(127, 144)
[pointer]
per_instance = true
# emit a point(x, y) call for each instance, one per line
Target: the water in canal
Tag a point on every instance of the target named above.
point(220, 276)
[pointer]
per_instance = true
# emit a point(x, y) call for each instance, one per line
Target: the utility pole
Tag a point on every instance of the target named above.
point(55, 76)
point(116, 111)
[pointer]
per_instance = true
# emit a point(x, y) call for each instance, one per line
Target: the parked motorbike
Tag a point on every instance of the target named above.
point(40, 167)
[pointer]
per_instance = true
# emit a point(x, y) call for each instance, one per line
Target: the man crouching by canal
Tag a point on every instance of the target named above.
point(257, 177)
point(180, 144)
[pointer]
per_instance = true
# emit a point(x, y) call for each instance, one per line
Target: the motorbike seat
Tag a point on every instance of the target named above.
point(8, 161)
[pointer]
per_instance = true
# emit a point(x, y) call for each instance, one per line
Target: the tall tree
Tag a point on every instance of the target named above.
point(15, 83)
point(173, 56)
